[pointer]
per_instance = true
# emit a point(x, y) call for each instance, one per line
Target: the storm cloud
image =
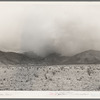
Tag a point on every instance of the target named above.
point(45, 27)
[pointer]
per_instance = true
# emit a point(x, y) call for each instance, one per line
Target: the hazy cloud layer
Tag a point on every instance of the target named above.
point(44, 27)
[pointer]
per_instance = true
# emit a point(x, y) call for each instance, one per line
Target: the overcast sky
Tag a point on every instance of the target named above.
point(45, 27)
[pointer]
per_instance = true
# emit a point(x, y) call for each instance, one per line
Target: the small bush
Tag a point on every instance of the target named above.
point(89, 71)
point(53, 73)
point(36, 75)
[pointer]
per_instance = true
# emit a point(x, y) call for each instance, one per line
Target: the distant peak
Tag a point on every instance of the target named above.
point(91, 50)
point(54, 54)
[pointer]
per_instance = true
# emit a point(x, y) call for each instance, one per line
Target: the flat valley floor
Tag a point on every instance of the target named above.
point(50, 78)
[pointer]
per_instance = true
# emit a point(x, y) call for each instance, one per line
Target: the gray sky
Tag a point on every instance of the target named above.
point(44, 27)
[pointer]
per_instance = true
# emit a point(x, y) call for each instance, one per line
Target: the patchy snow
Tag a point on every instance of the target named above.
point(50, 78)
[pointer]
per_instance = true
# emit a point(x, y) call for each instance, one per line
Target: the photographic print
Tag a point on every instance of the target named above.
point(49, 46)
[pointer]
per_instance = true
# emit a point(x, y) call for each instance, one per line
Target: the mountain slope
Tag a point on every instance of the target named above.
point(87, 57)
point(13, 58)
point(55, 59)
point(51, 59)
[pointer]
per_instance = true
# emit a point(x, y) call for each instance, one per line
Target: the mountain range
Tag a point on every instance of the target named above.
point(86, 57)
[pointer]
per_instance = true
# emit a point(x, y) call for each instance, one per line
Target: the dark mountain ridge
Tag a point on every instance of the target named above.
point(14, 58)
point(86, 57)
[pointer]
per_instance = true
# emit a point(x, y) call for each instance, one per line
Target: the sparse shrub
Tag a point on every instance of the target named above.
point(77, 71)
point(62, 68)
point(49, 68)
point(53, 73)
point(50, 79)
point(4, 79)
point(6, 88)
point(4, 71)
point(68, 78)
point(43, 70)
point(98, 89)
point(36, 75)
point(89, 71)
point(37, 68)
point(45, 76)
point(82, 68)
point(26, 80)
point(44, 84)
point(79, 79)
point(21, 89)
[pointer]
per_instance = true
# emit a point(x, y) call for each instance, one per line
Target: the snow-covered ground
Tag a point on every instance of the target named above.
point(47, 78)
